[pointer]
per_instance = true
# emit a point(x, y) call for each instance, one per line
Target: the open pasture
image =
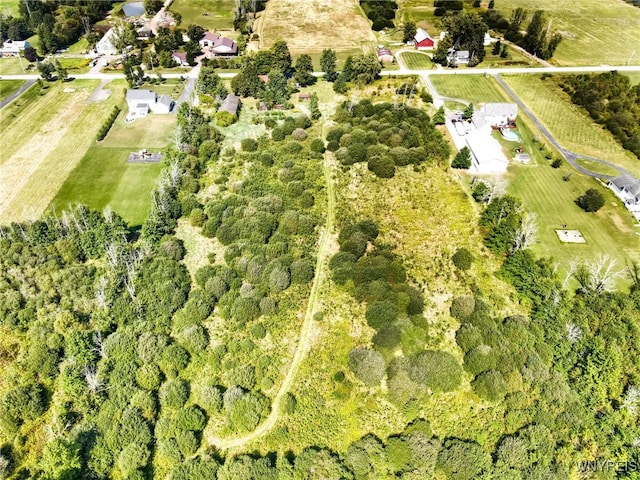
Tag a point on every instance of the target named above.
point(209, 14)
point(44, 143)
point(314, 25)
point(474, 88)
point(595, 31)
point(568, 123)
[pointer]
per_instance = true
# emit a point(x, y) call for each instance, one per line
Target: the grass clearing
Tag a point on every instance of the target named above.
point(595, 31)
point(104, 178)
point(44, 144)
point(16, 66)
point(314, 25)
point(568, 123)
point(634, 77)
point(474, 88)
point(417, 60)
point(153, 131)
point(9, 7)
point(219, 13)
point(74, 65)
point(7, 87)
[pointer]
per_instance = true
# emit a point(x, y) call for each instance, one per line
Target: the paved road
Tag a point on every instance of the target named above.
point(569, 156)
point(17, 93)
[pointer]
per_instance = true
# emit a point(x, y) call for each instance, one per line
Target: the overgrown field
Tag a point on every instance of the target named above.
point(474, 88)
point(595, 32)
point(568, 123)
point(314, 25)
point(209, 14)
point(43, 144)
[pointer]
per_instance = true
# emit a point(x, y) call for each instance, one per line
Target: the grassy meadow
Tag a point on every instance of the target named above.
point(44, 138)
point(219, 13)
point(569, 124)
point(474, 88)
point(7, 87)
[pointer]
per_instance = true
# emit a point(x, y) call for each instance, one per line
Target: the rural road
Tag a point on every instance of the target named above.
point(569, 156)
point(17, 93)
point(324, 245)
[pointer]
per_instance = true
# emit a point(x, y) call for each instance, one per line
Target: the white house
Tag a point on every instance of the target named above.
point(499, 114)
point(180, 58)
point(627, 189)
point(487, 155)
point(208, 39)
point(14, 47)
point(105, 45)
point(458, 57)
point(141, 102)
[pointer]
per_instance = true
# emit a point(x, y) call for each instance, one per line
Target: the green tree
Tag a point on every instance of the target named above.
point(468, 112)
point(591, 201)
point(61, 460)
point(461, 460)
point(409, 32)
point(439, 117)
point(462, 259)
point(462, 159)
point(496, 48)
point(276, 91)
point(152, 7)
point(280, 56)
point(439, 371)
point(304, 71)
point(314, 464)
point(328, 61)
point(367, 365)
point(490, 386)
point(366, 68)
point(467, 30)
point(315, 109)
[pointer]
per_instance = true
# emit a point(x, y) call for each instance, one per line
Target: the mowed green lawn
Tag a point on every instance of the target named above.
point(417, 60)
point(568, 123)
point(543, 191)
point(595, 31)
point(16, 66)
point(9, 7)
point(104, 178)
point(7, 87)
point(474, 88)
point(219, 13)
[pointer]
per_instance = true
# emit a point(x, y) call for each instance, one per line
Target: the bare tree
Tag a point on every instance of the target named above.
point(574, 332)
point(92, 377)
point(632, 399)
point(525, 234)
point(598, 275)
point(99, 347)
point(101, 295)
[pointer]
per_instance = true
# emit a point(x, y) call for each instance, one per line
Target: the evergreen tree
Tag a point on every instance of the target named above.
point(328, 64)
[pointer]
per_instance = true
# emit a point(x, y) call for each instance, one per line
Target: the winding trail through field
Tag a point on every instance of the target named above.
point(324, 245)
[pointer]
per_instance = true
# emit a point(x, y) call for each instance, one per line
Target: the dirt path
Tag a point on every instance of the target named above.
point(305, 332)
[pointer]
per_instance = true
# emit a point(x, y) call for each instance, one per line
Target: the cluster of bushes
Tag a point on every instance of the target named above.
point(385, 136)
point(373, 274)
point(106, 126)
point(442, 6)
point(381, 13)
point(612, 101)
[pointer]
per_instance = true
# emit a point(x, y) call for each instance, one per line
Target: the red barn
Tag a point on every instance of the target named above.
point(423, 40)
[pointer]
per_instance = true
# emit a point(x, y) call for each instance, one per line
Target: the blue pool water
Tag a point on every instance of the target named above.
point(510, 135)
point(133, 9)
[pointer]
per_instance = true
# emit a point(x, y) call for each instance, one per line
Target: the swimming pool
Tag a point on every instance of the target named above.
point(510, 135)
point(133, 9)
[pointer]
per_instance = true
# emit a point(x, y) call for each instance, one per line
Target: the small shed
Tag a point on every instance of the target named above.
point(304, 97)
point(384, 55)
point(230, 104)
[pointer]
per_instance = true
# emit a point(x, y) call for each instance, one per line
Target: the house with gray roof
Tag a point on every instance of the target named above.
point(141, 102)
point(230, 104)
point(627, 188)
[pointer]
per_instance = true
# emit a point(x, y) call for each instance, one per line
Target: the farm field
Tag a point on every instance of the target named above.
point(219, 13)
point(594, 31)
point(315, 25)
point(543, 192)
point(103, 177)
point(474, 88)
point(7, 87)
point(571, 126)
point(37, 152)
point(416, 60)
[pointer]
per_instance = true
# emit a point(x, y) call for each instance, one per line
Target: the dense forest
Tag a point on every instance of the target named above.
point(611, 100)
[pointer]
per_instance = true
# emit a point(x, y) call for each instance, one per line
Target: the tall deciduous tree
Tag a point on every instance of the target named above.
point(409, 32)
point(304, 70)
point(280, 56)
point(467, 32)
point(365, 68)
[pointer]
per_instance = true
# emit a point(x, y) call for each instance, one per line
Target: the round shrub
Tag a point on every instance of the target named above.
point(277, 134)
point(279, 279)
point(174, 393)
point(194, 338)
point(244, 309)
point(387, 337)
point(490, 386)
point(307, 199)
point(381, 314)
point(335, 134)
point(197, 217)
point(479, 359)
point(468, 337)
point(299, 134)
point(266, 158)
point(267, 306)
point(148, 376)
point(461, 460)
point(439, 371)
point(249, 145)
point(462, 307)
point(244, 377)
point(367, 365)
point(357, 152)
point(191, 418)
point(317, 145)
point(302, 121)
point(383, 167)
point(462, 259)
point(301, 271)
point(333, 145)
point(174, 359)
point(210, 399)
